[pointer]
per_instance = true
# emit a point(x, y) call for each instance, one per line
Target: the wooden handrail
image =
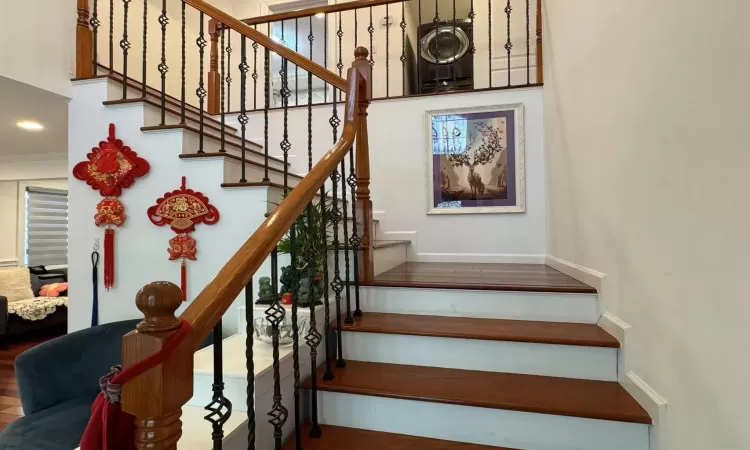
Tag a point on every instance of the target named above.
point(348, 6)
point(255, 35)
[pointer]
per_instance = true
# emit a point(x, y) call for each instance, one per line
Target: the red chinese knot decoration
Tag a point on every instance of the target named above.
point(182, 210)
point(110, 168)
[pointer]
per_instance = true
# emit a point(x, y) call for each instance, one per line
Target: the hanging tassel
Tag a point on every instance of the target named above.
point(109, 258)
point(183, 280)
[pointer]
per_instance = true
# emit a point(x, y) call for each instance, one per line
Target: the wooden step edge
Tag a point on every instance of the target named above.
point(481, 287)
point(382, 383)
point(250, 148)
point(505, 330)
point(344, 438)
point(236, 158)
point(208, 121)
point(265, 184)
point(390, 243)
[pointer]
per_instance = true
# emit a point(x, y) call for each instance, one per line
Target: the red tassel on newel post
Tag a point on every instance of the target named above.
point(109, 258)
point(183, 280)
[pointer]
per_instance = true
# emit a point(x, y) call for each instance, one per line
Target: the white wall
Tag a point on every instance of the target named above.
point(648, 163)
point(37, 43)
point(398, 156)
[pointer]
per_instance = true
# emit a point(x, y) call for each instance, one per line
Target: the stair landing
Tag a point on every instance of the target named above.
point(480, 276)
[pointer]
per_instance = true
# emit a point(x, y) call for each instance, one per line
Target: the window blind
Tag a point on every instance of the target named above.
point(46, 227)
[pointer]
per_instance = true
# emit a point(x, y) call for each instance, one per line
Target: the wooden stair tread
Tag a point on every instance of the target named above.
point(590, 399)
point(580, 334)
point(250, 147)
point(342, 438)
point(480, 276)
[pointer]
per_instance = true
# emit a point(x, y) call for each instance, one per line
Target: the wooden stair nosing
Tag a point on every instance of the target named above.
point(388, 243)
point(479, 286)
point(344, 438)
point(532, 332)
point(239, 159)
point(208, 121)
point(588, 399)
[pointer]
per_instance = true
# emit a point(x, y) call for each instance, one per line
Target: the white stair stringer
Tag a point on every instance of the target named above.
point(568, 361)
point(487, 426)
point(535, 306)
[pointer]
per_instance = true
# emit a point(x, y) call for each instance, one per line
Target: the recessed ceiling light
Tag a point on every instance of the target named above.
point(320, 15)
point(29, 125)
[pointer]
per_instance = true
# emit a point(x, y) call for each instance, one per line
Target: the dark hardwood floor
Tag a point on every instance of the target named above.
point(10, 402)
point(501, 277)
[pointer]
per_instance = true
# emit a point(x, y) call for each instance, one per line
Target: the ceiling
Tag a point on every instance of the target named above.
point(19, 101)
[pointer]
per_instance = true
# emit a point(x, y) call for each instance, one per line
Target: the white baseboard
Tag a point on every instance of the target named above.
point(8, 262)
point(480, 258)
point(583, 274)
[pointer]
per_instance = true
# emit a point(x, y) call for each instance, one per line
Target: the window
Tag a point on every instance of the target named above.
point(46, 238)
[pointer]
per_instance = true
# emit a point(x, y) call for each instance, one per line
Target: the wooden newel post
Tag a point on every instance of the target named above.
point(364, 204)
point(214, 77)
point(84, 42)
point(156, 397)
point(539, 52)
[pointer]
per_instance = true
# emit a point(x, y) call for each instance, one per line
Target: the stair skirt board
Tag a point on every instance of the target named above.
point(568, 361)
point(538, 306)
point(497, 427)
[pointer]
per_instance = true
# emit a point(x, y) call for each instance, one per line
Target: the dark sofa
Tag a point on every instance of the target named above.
point(13, 327)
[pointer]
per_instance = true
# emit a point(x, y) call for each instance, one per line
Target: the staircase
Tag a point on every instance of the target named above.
point(399, 354)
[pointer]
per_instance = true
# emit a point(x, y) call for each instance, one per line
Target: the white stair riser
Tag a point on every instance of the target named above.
point(547, 307)
point(502, 428)
point(569, 361)
point(386, 258)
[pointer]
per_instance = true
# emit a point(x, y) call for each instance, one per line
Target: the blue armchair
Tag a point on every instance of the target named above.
point(58, 381)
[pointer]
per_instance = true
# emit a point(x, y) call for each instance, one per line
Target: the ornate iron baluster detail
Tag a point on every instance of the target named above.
point(419, 40)
point(163, 68)
point(371, 30)
point(489, 40)
point(340, 65)
point(296, 67)
point(228, 78)
point(243, 113)
point(125, 46)
point(275, 314)
point(201, 91)
point(472, 16)
point(508, 44)
point(182, 66)
point(285, 94)
point(403, 50)
point(325, 60)
point(249, 363)
point(355, 242)
point(220, 408)
point(347, 275)
point(335, 216)
point(387, 52)
point(222, 149)
point(528, 42)
point(267, 94)
point(436, 21)
point(255, 73)
point(95, 23)
point(145, 38)
point(356, 28)
point(112, 36)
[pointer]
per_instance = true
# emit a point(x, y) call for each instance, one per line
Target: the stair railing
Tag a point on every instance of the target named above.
point(156, 398)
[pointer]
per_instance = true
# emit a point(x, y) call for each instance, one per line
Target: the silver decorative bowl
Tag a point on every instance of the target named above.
point(262, 330)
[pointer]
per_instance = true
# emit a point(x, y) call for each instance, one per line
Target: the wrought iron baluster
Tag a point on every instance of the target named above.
point(387, 52)
point(371, 31)
point(222, 149)
point(228, 78)
point(95, 23)
point(163, 69)
point(243, 112)
point(182, 67)
point(340, 64)
point(296, 67)
point(355, 241)
point(472, 47)
point(220, 408)
point(285, 144)
point(347, 275)
point(255, 73)
point(145, 38)
point(267, 94)
point(201, 91)
point(528, 42)
point(335, 215)
point(275, 314)
point(112, 36)
point(249, 363)
point(419, 42)
point(125, 46)
point(325, 58)
point(508, 44)
point(455, 60)
point(403, 49)
point(356, 28)
point(489, 40)
point(436, 21)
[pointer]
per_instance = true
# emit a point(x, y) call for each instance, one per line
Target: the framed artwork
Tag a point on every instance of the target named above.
point(475, 161)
